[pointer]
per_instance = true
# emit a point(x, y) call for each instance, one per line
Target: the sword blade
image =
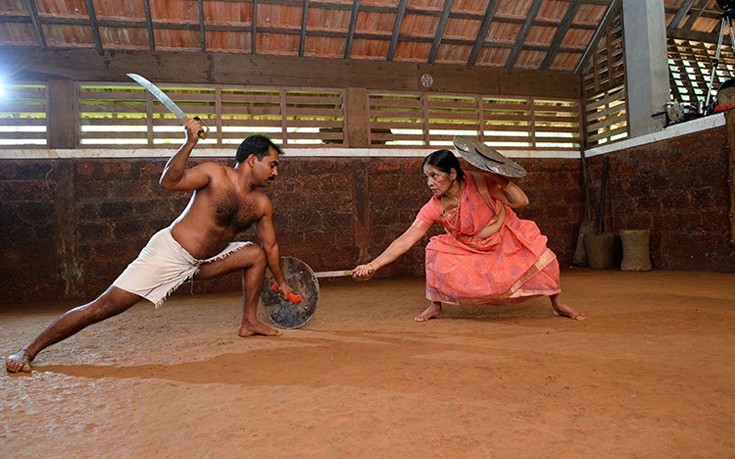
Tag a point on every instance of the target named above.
point(160, 95)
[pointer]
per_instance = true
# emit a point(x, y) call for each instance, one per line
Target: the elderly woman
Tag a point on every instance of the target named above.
point(487, 255)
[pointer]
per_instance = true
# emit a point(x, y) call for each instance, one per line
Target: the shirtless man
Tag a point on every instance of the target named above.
point(197, 245)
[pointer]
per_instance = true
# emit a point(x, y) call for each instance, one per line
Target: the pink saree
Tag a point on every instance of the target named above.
point(511, 265)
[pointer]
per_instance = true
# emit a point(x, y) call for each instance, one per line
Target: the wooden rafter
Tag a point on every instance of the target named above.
point(695, 13)
point(36, 23)
point(683, 10)
point(253, 29)
point(612, 10)
point(561, 32)
point(351, 31)
point(482, 33)
point(523, 33)
point(149, 25)
point(397, 29)
point(95, 26)
point(440, 30)
point(304, 23)
point(202, 31)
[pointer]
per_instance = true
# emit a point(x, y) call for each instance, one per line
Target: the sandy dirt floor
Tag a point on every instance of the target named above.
point(649, 374)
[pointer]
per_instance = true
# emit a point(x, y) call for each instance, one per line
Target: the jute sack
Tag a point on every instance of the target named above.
point(636, 256)
point(600, 249)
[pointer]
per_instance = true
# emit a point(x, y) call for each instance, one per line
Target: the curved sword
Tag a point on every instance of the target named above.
point(168, 103)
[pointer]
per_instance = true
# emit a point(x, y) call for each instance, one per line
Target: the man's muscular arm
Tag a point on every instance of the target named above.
point(175, 174)
point(267, 235)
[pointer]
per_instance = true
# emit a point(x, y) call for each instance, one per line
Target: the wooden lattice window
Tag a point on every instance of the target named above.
point(605, 94)
point(690, 69)
point(506, 123)
point(23, 116)
point(118, 115)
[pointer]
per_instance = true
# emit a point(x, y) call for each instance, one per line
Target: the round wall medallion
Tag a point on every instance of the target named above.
point(427, 80)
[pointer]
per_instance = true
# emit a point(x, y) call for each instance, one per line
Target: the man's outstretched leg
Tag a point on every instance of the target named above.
point(111, 303)
point(251, 261)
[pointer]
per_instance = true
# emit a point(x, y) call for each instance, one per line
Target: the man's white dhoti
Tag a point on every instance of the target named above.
point(162, 266)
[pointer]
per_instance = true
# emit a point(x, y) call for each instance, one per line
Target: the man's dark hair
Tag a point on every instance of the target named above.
point(257, 145)
point(445, 161)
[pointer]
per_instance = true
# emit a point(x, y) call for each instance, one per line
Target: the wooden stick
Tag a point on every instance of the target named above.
point(334, 273)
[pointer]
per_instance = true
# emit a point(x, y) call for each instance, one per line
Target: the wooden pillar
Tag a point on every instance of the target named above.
point(730, 120)
point(62, 114)
point(356, 118)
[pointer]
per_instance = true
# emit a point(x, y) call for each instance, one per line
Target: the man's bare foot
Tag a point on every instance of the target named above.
point(257, 328)
point(18, 362)
point(434, 311)
point(562, 309)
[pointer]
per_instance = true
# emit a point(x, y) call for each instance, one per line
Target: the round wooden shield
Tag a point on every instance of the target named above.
point(485, 158)
point(301, 279)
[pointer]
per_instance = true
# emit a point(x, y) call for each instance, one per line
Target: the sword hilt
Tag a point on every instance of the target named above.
point(203, 133)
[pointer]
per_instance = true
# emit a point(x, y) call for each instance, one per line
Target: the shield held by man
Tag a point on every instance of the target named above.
point(302, 280)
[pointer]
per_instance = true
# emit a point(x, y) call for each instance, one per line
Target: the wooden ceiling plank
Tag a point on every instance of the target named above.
point(351, 30)
point(523, 33)
point(440, 28)
point(482, 33)
point(397, 29)
point(561, 32)
point(95, 26)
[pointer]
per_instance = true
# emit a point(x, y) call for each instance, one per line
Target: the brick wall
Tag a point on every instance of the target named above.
point(677, 188)
point(70, 226)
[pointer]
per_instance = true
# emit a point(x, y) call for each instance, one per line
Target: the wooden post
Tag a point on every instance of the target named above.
point(62, 114)
point(356, 118)
point(730, 121)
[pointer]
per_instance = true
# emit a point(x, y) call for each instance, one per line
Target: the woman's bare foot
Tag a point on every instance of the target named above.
point(434, 311)
point(257, 328)
point(562, 309)
point(18, 362)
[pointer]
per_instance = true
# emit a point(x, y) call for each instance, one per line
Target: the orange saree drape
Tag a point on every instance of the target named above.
point(511, 265)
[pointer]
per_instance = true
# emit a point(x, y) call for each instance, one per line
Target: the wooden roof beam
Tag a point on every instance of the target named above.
point(304, 22)
point(202, 31)
point(440, 30)
point(95, 26)
point(612, 10)
point(482, 33)
point(351, 31)
point(532, 13)
point(561, 32)
point(683, 10)
point(149, 25)
point(397, 29)
point(37, 23)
